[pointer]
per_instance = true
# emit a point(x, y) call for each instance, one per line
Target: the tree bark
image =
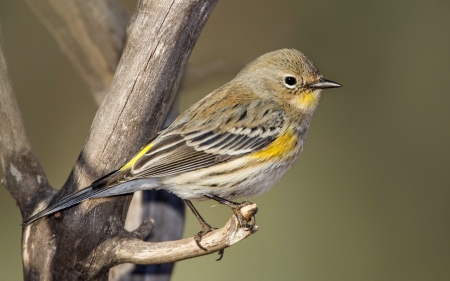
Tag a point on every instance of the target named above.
point(92, 35)
point(160, 39)
point(85, 241)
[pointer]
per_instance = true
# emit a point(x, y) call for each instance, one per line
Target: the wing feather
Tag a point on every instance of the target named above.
point(182, 147)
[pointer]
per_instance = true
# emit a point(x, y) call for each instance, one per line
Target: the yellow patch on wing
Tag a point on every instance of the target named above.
point(284, 144)
point(136, 157)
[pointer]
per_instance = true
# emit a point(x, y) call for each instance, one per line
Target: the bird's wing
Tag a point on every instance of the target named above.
point(185, 147)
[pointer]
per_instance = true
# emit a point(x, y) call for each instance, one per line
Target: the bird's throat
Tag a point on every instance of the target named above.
point(306, 101)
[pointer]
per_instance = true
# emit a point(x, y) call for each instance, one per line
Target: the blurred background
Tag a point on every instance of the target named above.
point(368, 198)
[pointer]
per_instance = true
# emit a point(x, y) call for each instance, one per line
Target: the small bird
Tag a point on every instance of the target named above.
point(236, 142)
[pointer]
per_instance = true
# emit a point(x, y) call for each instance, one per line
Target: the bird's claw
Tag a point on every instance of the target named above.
point(206, 228)
point(248, 220)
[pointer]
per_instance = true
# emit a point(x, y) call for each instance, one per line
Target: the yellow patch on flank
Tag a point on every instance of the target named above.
point(136, 157)
point(284, 144)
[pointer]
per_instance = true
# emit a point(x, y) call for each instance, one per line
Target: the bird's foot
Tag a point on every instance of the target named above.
point(246, 219)
point(206, 228)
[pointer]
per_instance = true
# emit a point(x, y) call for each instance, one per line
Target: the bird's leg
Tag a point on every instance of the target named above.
point(246, 222)
point(206, 228)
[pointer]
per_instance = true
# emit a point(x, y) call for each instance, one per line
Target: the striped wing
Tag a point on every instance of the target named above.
point(183, 153)
point(180, 149)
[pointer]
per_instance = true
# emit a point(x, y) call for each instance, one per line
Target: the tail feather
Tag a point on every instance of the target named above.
point(95, 190)
point(64, 203)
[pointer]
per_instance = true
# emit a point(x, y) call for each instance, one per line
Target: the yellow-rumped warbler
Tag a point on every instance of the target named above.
point(236, 142)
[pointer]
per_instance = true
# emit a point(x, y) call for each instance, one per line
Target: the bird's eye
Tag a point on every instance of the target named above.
point(290, 81)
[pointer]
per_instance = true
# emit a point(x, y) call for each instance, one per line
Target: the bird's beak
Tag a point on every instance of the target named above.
point(325, 84)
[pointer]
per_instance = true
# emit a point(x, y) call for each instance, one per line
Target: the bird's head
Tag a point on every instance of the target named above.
point(288, 76)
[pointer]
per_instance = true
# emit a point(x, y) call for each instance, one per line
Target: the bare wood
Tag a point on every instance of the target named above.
point(168, 211)
point(141, 252)
point(160, 39)
point(128, 247)
point(90, 33)
point(24, 177)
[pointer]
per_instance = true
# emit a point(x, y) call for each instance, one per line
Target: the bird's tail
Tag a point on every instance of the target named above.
point(66, 202)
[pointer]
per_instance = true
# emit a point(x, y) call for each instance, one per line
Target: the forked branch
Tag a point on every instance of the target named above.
point(161, 36)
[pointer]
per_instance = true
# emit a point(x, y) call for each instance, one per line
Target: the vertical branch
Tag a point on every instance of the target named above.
point(90, 33)
point(160, 39)
point(24, 178)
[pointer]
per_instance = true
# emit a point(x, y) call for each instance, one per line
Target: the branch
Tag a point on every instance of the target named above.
point(134, 250)
point(160, 39)
point(90, 33)
point(24, 178)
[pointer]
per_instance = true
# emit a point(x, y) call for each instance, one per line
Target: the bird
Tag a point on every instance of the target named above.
point(234, 143)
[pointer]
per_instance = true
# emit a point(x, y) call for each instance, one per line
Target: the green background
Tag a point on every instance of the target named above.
point(369, 197)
